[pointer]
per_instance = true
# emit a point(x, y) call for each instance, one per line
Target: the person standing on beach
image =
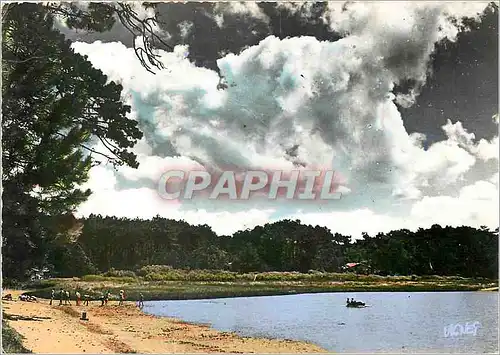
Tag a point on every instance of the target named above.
point(86, 300)
point(78, 298)
point(122, 297)
point(52, 296)
point(62, 295)
point(108, 296)
point(67, 298)
point(141, 300)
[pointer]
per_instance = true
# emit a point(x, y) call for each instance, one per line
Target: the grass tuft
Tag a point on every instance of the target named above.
point(12, 341)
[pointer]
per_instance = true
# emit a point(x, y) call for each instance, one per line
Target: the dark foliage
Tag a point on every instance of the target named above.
point(128, 244)
point(54, 103)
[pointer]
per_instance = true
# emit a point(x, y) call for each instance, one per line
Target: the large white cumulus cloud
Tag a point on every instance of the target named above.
point(299, 103)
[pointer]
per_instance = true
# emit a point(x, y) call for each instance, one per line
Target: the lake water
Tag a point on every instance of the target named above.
point(394, 322)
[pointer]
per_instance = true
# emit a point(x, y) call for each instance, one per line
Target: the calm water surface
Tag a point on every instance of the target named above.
point(394, 322)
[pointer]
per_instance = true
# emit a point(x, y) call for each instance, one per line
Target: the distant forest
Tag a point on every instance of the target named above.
point(106, 243)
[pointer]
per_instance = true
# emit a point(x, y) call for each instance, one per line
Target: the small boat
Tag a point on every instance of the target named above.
point(355, 304)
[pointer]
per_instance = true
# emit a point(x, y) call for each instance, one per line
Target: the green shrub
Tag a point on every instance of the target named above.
point(93, 278)
point(149, 269)
point(102, 278)
point(12, 340)
point(119, 273)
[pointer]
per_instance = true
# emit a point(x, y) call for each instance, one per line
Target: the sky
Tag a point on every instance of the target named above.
point(399, 98)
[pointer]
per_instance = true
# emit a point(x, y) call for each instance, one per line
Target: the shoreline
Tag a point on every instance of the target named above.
point(186, 290)
point(490, 289)
point(126, 329)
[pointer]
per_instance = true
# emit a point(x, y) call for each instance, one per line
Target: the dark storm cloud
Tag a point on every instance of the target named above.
point(206, 39)
point(463, 86)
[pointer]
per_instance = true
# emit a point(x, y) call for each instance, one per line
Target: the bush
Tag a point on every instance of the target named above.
point(191, 275)
point(166, 273)
point(40, 284)
point(119, 273)
point(102, 278)
point(11, 283)
point(150, 269)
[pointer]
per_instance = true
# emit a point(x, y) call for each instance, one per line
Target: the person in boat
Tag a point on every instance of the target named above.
point(348, 302)
point(356, 303)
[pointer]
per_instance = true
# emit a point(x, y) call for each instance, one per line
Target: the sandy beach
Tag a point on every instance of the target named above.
point(125, 329)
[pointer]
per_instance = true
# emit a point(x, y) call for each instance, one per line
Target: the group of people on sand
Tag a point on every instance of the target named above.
point(105, 298)
point(23, 297)
point(64, 298)
point(27, 298)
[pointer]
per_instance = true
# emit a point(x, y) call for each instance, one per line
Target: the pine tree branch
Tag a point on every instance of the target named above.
point(89, 149)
